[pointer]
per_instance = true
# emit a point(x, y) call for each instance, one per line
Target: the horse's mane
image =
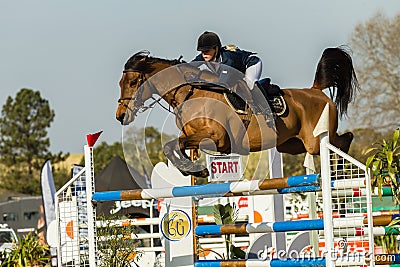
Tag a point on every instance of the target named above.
point(142, 62)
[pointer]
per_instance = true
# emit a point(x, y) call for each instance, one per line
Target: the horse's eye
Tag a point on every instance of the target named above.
point(133, 83)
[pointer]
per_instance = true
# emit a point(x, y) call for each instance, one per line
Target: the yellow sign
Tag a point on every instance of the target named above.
point(176, 225)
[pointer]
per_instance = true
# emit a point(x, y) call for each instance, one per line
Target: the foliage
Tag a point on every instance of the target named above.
point(28, 251)
point(376, 49)
point(384, 161)
point(293, 164)
point(154, 141)
point(227, 214)
point(23, 130)
point(104, 153)
point(389, 241)
point(256, 165)
point(24, 145)
point(363, 139)
point(141, 156)
point(144, 146)
point(116, 246)
point(61, 176)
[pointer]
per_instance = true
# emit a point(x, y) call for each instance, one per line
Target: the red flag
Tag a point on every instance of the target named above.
point(92, 138)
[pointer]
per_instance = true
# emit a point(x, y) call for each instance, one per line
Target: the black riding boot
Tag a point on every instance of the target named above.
point(261, 106)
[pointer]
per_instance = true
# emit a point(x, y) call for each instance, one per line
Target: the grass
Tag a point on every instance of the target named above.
point(70, 161)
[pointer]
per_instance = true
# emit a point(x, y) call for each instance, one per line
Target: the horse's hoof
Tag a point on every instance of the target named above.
point(202, 174)
point(199, 170)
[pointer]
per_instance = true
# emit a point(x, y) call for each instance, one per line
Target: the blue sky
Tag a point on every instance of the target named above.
point(73, 51)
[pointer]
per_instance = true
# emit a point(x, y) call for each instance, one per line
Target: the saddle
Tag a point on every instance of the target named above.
point(272, 93)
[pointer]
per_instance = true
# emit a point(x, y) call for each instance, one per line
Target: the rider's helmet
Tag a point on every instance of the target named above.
point(207, 41)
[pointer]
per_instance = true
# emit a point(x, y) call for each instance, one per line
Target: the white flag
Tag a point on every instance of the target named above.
point(48, 192)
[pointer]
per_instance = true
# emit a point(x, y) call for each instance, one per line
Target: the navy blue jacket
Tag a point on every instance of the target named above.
point(239, 59)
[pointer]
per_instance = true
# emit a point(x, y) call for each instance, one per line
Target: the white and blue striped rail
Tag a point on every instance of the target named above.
point(210, 190)
point(356, 260)
point(286, 226)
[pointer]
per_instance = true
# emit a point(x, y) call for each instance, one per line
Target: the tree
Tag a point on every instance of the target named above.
point(363, 139)
point(103, 153)
point(142, 149)
point(375, 44)
point(61, 175)
point(24, 145)
point(293, 164)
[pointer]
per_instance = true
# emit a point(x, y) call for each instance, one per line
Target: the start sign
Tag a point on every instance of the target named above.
point(224, 168)
point(243, 202)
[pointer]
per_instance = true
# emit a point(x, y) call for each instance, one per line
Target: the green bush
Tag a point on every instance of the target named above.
point(27, 251)
point(384, 161)
point(115, 244)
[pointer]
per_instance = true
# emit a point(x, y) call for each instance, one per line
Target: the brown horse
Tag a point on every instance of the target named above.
point(206, 119)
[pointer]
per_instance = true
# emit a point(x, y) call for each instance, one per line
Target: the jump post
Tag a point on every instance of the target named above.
point(355, 223)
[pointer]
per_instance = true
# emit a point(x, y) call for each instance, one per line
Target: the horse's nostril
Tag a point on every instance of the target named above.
point(121, 118)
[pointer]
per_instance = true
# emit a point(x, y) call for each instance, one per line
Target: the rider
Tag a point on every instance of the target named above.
point(246, 62)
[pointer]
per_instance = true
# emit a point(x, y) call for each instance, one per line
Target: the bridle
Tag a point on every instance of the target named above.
point(138, 103)
point(137, 99)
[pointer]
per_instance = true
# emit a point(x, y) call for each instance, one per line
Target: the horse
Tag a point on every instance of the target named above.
point(207, 121)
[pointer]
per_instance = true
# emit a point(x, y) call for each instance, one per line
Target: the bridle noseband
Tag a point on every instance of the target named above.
point(137, 99)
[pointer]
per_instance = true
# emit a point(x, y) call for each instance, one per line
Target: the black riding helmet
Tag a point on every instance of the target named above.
point(207, 41)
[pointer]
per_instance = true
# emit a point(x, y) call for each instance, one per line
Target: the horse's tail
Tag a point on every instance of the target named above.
point(335, 70)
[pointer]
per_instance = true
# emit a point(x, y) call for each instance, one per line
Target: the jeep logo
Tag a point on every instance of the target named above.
point(145, 204)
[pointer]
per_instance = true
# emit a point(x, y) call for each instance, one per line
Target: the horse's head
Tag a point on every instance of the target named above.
point(133, 94)
point(131, 97)
point(134, 88)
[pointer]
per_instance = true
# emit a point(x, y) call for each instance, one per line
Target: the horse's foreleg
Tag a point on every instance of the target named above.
point(174, 150)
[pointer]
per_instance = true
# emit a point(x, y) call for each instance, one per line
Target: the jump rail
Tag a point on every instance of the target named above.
point(301, 225)
point(208, 190)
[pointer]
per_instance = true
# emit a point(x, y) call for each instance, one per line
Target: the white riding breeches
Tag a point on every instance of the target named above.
point(253, 74)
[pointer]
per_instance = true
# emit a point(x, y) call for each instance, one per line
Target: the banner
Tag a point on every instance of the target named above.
point(79, 194)
point(48, 192)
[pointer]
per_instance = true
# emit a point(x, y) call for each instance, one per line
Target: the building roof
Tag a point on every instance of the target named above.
point(118, 175)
